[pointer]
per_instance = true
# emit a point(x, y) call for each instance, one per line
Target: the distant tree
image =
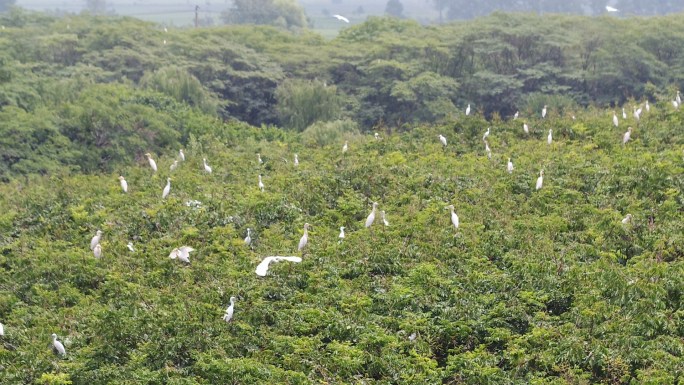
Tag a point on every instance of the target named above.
point(394, 8)
point(96, 7)
point(282, 13)
point(302, 103)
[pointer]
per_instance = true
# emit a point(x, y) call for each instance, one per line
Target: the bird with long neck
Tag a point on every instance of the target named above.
point(540, 180)
point(304, 239)
point(371, 216)
point(454, 217)
point(151, 161)
point(124, 184)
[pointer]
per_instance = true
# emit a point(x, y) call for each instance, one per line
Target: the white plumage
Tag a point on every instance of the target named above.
point(228, 315)
point(615, 120)
point(259, 159)
point(304, 239)
point(468, 110)
point(443, 140)
point(96, 239)
point(182, 253)
point(627, 219)
point(454, 217)
point(248, 238)
point(97, 251)
point(611, 9)
point(261, 184)
point(296, 160)
point(540, 180)
point(624, 114)
point(544, 111)
point(345, 147)
point(549, 139)
point(341, 236)
point(517, 113)
point(262, 268)
point(174, 165)
point(206, 166)
point(627, 135)
point(58, 345)
point(526, 128)
point(130, 247)
point(167, 188)
point(151, 161)
point(509, 166)
point(181, 154)
point(124, 184)
point(486, 134)
point(384, 219)
point(371, 216)
point(341, 18)
point(2, 329)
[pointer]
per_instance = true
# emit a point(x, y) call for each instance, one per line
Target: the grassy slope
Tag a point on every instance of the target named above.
point(543, 284)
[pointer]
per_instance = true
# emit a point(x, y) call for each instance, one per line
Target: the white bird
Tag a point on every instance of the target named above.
point(130, 247)
point(206, 166)
point(611, 9)
point(526, 128)
point(549, 139)
point(341, 236)
point(182, 253)
point(181, 155)
point(486, 134)
point(124, 184)
point(678, 98)
point(454, 217)
point(624, 114)
point(648, 107)
point(488, 150)
point(544, 111)
point(627, 135)
point(443, 140)
point(2, 329)
point(262, 268)
point(345, 147)
point(517, 113)
point(229, 311)
point(377, 136)
point(261, 184)
point(412, 337)
point(384, 220)
point(296, 160)
point(58, 345)
point(167, 189)
point(675, 104)
point(259, 159)
point(304, 239)
point(636, 113)
point(96, 239)
point(540, 180)
point(627, 219)
point(371, 216)
point(165, 29)
point(174, 165)
point(468, 110)
point(341, 18)
point(97, 251)
point(153, 164)
point(509, 166)
point(164, 41)
point(615, 119)
point(248, 238)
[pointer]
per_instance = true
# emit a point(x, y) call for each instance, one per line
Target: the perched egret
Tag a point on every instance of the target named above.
point(526, 128)
point(167, 189)
point(675, 104)
point(58, 345)
point(488, 150)
point(454, 217)
point(412, 337)
point(678, 98)
point(341, 18)
point(540, 180)
point(174, 165)
point(517, 113)
point(647, 106)
point(229, 311)
point(384, 219)
point(636, 113)
point(615, 119)
point(248, 238)
point(124, 184)
point(206, 166)
point(486, 134)
point(259, 159)
point(182, 253)
point(2, 329)
point(509, 166)
point(262, 268)
point(165, 29)
point(611, 9)
point(130, 247)
point(624, 114)
point(96, 239)
point(164, 41)
point(443, 140)
point(261, 184)
point(153, 164)
point(296, 160)
point(627, 135)
point(304, 239)
point(377, 136)
point(544, 111)
point(549, 139)
point(627, 219)
point(468, 110)
point(97, 251)
point(181, 155)
point(345, 147)
point(371, 216)
point(341, 236)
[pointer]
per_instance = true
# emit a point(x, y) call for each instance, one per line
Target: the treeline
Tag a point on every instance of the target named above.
point(76, 84)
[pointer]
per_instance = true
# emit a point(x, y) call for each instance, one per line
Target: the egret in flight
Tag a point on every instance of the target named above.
point(248, 238)
point(97, 251)
point(304, 239)
point(181, 155)
point(182, 253)
point(615, 119)
point(509, 166)
point(454, 217)
point(468, 110)
point(296, 160)
point(526, 128)
point(627, 219)
point(549, 139)
point(341, 236)
point(262, 268)
point(229, 311)
point(206, 166)
point(544, 111)
point(384, 219)
point(611, 9)
point(58, 345)
point(96, 239)
point(371, 216)
point(443, 140)
point(124, 184)
point(153, 164)
point(167, 189)
point(174, 165)
point(626, 136)
point(540, 180)
point(261, 184)
point(341, 18)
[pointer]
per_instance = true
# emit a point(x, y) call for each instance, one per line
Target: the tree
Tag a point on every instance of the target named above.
point(281, 13)
point(394, 8)
point(96, 7)
point(302, 103)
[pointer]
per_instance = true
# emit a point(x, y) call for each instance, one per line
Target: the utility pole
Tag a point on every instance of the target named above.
point(196, 16)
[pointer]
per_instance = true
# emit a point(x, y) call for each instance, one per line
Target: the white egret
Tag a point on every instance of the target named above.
point(624, 114)
point(636, 113)
point(377, 136)
point(526, 128)
point(181, 155)
point(627, 219)
point(549, 139)
point(488, 150)
point(174, 165)
point(96, 239)
point(164, 41)
point(2, 329)
point(371, 216)
point(627, 135)
point(443, 140)
point(259, 159)
point(384, 219)
point(509, 166)
point(341, 236)
point(412, 337)
point(261, 184)
point(454, 217)
point(229, 311)
point(678, 98)
point(167, 189)
point(124, 184)
point(675, 104)
point(206, 166)
point(248, 238)
point(611, 9)
point(130, 247)
point(544, 111)
point(304, 239)
point(58, 345)
point(153, 164)
point(345, 147)
point(615, 119)
point(165, 29)
point(468, 110)
point(182, 253)
point(540, 180)
point(341, 18)
point(486, 134)
point(517, 113)
point(262, 268)
point(97, 251)
point(296, 160)
point(647, 106)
